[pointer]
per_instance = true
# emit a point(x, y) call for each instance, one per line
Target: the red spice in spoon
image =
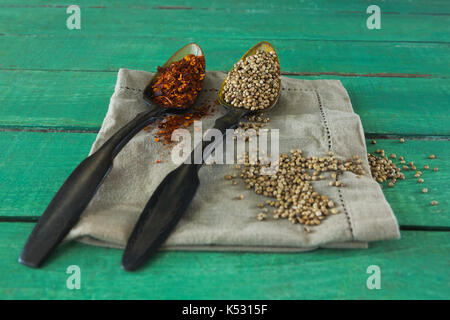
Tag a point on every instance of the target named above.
point(179, 84)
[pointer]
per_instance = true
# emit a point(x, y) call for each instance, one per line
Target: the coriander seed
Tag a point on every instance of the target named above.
point(254, 82)
point(261, 216)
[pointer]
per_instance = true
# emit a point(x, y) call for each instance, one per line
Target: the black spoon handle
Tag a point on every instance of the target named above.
point(75, 194)
point(168, 203)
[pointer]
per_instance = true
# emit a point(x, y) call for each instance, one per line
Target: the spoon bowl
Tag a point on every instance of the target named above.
point(191, 48)
point(262, 46)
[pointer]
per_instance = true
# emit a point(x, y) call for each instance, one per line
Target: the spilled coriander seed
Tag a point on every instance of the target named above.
point(291, 186)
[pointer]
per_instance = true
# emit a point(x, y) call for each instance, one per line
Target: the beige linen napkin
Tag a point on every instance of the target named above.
point(313, 115)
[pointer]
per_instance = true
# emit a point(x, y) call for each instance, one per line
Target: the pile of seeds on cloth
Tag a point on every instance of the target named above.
point(291, 189)
point(251, 122)
point(291, 186)
point(254, 82)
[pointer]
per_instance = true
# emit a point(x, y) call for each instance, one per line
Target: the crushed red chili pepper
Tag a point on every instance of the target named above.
point(168, 125)
point(179, 84)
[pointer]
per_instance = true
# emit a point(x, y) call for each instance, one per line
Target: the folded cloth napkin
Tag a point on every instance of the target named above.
point(313, 115)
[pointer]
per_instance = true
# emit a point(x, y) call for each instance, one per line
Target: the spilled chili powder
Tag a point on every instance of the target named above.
point(168, 125)
point(179, 84)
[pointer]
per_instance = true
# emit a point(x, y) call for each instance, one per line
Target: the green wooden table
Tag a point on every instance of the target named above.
point(55, 87)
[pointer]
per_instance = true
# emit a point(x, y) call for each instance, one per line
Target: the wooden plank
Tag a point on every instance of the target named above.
point(79, 100)
point(415, 267)
point(55, 99)
point(409, 203)
point(33, 165)
point(400, 106)
point(345, 22)
point(389, 7)
point(67, 52)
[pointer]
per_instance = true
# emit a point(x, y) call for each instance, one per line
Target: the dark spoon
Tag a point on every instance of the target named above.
point(174, 194)
point(68, 204)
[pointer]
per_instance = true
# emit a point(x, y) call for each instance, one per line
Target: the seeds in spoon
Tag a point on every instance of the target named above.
point(254, 82)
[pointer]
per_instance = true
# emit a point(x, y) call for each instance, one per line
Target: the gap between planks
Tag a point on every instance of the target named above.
point(248, 38)
point(285, 73)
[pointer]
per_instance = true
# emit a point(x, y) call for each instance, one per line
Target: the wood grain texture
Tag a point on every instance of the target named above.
point(415, 267)
point(28, 181)
point(35, 164)
point(390, 7)
point(344, 21)
point(109, 53)
point(79, 101)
